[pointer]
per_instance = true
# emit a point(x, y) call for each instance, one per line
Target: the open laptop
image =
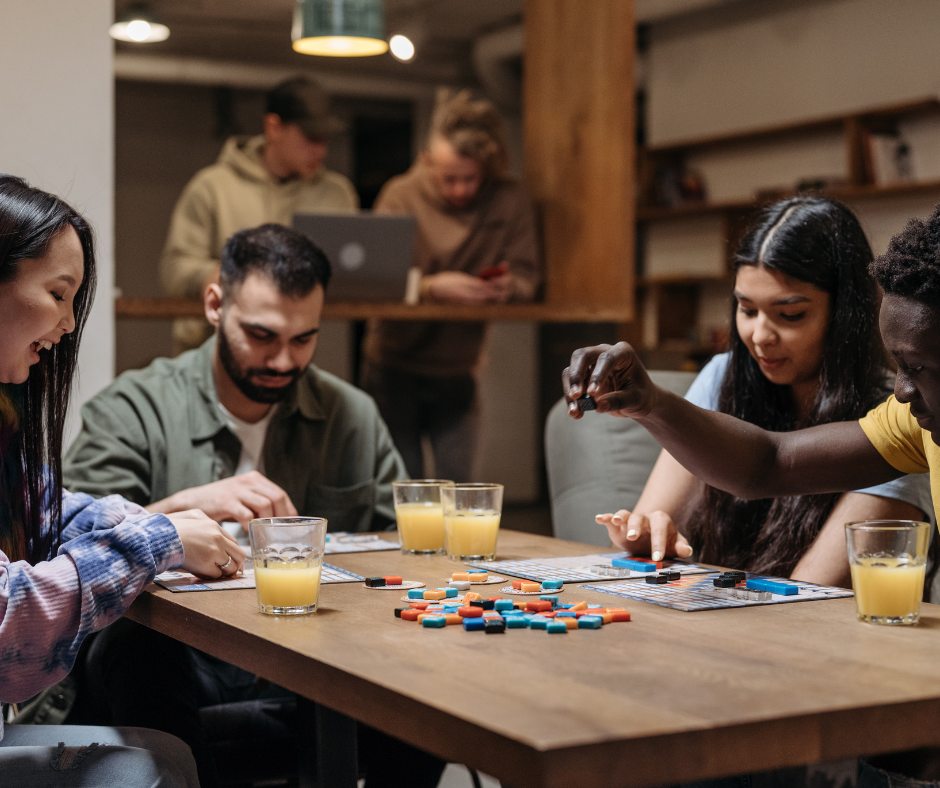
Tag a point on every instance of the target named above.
point(371, 255)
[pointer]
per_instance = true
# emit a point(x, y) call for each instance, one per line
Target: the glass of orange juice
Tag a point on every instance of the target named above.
point(420, 516)
point(888, 559)
point(471, 520)
point(287, 556)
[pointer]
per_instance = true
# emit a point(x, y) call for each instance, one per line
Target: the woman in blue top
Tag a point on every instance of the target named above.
point(804, 350)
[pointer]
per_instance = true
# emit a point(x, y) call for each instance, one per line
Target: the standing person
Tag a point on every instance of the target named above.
point(804, 350)
point(476, 244)
point(267, 178)
point(69, 565)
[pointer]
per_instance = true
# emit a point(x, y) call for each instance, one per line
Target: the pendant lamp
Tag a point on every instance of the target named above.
point(138, 25)
point(339, 28)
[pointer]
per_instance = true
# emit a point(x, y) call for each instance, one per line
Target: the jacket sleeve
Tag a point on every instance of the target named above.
point(522, 251)
point(111, 549)
point(112, 453)
point(188, 257)
point(389, 467)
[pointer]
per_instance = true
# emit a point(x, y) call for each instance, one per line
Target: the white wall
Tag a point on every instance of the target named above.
point(56, 121)
point(757, 64)
point(750, 65)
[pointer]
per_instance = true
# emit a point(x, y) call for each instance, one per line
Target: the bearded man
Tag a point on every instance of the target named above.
point(244, 426)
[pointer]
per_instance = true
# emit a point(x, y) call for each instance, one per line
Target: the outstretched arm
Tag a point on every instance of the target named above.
point(723, 451)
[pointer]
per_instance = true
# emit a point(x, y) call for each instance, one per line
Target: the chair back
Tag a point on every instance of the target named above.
point(599, 464)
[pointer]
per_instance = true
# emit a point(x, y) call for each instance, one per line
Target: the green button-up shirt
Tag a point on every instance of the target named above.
point(159, 430)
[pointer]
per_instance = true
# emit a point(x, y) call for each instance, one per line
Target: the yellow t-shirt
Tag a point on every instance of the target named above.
point(897, 437)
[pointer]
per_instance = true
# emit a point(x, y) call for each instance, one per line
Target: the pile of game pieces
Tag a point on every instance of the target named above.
point(495, 615)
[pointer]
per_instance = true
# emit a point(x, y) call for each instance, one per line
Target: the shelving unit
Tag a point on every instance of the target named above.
point(673, 298)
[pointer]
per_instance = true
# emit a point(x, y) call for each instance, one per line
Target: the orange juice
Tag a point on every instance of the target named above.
point(282, 584)
point(420, 526)
point(888, 588)
point(471, 532)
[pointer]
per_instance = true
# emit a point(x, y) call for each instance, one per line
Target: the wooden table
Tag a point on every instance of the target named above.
point(670, 696)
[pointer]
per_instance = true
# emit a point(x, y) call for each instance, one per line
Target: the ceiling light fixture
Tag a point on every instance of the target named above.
point(138, 25)
point(339, 28)
point(401, 47)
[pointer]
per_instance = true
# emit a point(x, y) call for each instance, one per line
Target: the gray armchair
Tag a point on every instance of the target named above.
point(598, 464)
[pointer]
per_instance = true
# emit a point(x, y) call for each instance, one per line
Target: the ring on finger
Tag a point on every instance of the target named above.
point(223, 567)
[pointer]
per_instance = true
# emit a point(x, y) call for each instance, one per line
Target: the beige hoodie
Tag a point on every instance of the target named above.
point(235, 193)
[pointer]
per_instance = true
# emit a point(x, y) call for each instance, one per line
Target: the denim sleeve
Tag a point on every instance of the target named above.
point(110, 551)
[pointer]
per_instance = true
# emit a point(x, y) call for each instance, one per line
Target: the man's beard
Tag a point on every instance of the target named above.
point(242, 377)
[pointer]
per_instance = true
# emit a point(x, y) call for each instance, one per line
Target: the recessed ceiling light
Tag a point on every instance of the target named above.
point(401, 47)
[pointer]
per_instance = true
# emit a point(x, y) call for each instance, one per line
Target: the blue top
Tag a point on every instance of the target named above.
point(914, 488)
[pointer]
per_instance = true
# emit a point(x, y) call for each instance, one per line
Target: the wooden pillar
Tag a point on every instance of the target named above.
point(580, 138)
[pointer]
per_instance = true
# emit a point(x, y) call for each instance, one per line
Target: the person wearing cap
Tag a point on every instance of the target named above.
point(476, 244)
point(256, 180)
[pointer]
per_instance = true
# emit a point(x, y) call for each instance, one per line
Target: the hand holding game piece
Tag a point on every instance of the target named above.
point(655, 534)
point(614, 376)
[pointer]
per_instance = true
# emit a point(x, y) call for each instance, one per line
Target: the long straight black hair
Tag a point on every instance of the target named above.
point(29, 220)
point(821, 242)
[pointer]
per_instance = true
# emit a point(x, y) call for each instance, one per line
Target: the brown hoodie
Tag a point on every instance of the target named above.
point(499, 225)
point(235, 193)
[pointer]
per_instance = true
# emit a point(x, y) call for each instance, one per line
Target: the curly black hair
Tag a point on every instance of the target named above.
point(911, 266)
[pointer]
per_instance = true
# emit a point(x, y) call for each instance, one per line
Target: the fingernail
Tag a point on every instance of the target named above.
point(631, 534)
point(657, 556)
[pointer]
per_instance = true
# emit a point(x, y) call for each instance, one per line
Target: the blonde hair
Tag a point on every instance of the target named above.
point(473, 127)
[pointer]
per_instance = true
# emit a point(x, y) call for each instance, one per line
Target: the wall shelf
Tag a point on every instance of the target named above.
point(169, 308)
point(671, 303)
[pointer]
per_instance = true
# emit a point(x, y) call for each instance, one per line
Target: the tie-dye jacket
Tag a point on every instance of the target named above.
point(110, 550)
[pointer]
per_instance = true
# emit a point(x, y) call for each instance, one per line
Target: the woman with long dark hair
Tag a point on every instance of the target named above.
point(69, 564)
point(804, 350)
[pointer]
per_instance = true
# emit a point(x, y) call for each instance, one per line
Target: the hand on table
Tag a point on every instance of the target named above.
point(654, 535)
point(614, 376)
point(207, 547)
point(460, 288)
point(237, 499)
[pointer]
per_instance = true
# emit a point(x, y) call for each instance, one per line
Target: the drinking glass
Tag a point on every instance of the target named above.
point(287, 555)
point(471, 520)
point(888, 559)
point(420, 516)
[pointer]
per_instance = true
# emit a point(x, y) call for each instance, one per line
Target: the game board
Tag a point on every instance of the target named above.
point(577, 568)
point(699, 593)
point(345, 542)
point(184, 581)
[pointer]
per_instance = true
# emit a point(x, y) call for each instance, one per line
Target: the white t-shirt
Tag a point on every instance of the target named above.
point(251, 437)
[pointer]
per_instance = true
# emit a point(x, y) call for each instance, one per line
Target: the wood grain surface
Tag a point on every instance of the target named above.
point(580, 130)
point(149, 308)
point(670, 696)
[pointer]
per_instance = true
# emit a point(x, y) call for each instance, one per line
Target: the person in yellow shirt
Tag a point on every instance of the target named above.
point(256, 180)
point(901, 435)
